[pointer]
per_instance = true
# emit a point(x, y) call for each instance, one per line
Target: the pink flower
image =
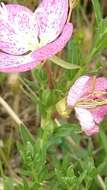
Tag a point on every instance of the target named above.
point(87, 96)
point(27, 38)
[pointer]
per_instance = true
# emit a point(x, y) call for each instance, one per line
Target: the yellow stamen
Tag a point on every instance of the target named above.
point(91, 103)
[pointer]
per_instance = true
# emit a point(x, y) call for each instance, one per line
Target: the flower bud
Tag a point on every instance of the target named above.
point(62, 108)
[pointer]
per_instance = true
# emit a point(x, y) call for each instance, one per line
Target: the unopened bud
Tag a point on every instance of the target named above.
point(62, 108)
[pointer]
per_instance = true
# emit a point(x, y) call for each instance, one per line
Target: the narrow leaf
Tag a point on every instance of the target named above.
point(26, 135)
point(97, 9)
point(63, 63)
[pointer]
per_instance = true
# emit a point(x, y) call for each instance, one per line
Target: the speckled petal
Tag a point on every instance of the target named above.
point(15, 29)
point(99, 113)
point(52, 15)
point(24, 19)
point(11, 63)
point(20, 16)
point(52, 48)
point(77, 90)
point(86, 120)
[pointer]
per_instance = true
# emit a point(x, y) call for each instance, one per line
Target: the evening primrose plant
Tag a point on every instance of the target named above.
point(67, 149)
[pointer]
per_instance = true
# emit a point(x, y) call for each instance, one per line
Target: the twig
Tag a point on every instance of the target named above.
point(101, 182)
point(70, 10)
point(72, 4)
point(10, 111)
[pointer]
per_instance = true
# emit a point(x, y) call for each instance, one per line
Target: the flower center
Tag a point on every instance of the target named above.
point(92, 100)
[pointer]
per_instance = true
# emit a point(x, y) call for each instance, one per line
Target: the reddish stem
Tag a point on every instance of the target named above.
point(49, 74)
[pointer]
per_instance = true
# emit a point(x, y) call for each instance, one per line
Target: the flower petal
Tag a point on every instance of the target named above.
point(98, 84)
point(99, 113)
point(86, 121)
point(77, 90)
point(16, 30)
point(52, 48)
point(101, 84)
point(52, 15)
point(11, 63)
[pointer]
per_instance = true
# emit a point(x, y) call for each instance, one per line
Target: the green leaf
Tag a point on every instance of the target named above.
point(68, 179)
point(26, 135)
point(103, 140)
point(40, 74)
point(97, 10)
point(65, 130)
point(63, 63)
point(100, 40)
point(74, 49)
point(106, 183)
